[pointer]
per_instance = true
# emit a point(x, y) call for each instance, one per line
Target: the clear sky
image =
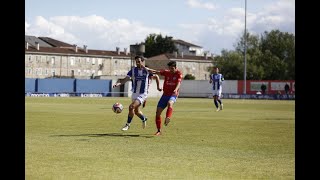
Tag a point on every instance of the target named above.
point(106, 24)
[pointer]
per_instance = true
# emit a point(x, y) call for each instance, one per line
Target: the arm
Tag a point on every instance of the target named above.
point(221, 80)
point(153, 71)
point(155, 76)
point(177, 87)
point(178, 83)
point(121, 81)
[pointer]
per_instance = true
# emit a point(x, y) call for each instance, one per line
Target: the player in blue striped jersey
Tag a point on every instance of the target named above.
point(216, 80)
point(140, 82)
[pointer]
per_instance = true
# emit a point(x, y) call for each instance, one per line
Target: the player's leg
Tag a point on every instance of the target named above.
point(130, 117)
point(160, 107)
point(215, 100)
point(170, 103)
point(214, 97)
point(130, 113)
point(158, 120)
point(219, 99)
point(139, 100)
point(144, 104)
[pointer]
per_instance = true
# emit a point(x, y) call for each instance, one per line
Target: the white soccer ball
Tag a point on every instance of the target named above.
point(117, 108)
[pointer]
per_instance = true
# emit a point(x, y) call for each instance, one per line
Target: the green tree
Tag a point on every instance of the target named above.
point(270, 56)
point(155, 44)
point(282, 47)
point(253, 55)
point(189, 77)
point(230, 64)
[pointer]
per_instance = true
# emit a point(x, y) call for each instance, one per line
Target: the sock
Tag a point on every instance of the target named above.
point(129, 120)
point(142, 117)
point(169, 112)
point(158, 122)
point(216, 103)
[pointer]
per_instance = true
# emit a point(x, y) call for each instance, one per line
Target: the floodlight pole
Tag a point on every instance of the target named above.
point(245, 50)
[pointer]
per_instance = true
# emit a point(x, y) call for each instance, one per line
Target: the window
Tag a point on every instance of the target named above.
point(43, 59)
point(99, 61)
point(72, 61)
point(40, 71)
point(93, 61)
point(38, 58)
point(72, 73)
point(53, 61)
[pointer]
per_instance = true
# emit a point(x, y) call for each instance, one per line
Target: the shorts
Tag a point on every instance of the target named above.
point(140, 97)
point(163, 102)
point(217, 92)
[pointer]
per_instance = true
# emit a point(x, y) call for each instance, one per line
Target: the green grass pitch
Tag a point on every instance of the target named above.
point(81, 138)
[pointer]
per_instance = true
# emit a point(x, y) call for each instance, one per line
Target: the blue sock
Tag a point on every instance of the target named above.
point(142, 117)
point(216, 103)
point(129, 120)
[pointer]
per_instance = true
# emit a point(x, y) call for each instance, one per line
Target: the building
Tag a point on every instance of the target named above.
point(198, 66)
point(47, 58)
point(188, 48)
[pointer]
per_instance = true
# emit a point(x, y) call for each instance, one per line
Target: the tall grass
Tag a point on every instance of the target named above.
point(81, 138)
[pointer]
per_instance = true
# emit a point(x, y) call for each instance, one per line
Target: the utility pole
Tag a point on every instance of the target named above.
point(245, 49)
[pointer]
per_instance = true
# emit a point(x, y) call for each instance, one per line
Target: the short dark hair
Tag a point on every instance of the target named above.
point(172, 63)
point(137, 57)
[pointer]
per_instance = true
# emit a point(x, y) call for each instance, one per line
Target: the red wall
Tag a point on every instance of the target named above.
point(273, 86)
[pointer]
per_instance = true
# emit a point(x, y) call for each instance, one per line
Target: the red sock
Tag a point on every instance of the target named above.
point(158, 122)
point(169, 112)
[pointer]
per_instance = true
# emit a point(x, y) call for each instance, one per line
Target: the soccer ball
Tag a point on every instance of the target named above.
point(117, 108)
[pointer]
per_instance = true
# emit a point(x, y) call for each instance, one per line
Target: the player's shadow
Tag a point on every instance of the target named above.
point(209, 110)
point(106, 135)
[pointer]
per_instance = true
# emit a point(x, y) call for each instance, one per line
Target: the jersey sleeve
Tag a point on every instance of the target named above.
point(129, 73)
point(179, 76)
point(162, 72)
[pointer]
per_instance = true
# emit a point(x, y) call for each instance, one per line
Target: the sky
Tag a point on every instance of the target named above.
point(214, 25)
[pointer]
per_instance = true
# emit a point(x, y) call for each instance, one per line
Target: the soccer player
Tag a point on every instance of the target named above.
point(139, 76)
point(216, 80)
point(171, 87)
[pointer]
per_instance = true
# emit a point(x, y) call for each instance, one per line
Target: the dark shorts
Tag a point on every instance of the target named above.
point(163, 102)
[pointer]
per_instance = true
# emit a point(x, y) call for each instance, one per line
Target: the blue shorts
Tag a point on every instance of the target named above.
point(163, 102)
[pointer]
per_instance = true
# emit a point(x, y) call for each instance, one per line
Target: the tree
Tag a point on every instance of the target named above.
point(282, 47)
point(270, 56)
point(230, 64)
point(189, 77)
point(253, 55)
point(155, 44)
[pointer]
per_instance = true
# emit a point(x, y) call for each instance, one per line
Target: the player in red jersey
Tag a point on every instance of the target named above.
point(171, 86)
